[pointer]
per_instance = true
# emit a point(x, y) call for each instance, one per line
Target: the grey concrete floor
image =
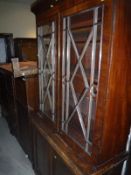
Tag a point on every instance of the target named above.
point(13, 160)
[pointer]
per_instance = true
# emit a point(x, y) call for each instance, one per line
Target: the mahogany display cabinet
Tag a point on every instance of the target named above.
point(84, 83)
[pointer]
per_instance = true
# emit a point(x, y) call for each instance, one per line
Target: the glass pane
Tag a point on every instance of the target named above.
point(75, 130)
point(81, 62)
point(46, 55)
point(2, 50)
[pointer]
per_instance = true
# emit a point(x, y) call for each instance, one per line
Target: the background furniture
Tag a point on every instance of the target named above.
point(7, 98)
point(25, 48)
point(26, 100)
point(18, 96)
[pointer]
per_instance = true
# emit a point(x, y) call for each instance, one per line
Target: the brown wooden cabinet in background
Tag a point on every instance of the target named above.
point(26, 100)
point(84, 84)
point(7, 100)
point(25, 49)
point(18, 96)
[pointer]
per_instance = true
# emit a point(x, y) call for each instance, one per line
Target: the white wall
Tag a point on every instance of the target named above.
point(17, 18)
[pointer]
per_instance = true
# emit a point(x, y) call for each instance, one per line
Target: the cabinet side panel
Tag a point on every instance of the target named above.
point(116, 118)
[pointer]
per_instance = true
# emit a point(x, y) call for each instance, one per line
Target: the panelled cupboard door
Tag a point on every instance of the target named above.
point(46, 161)
point(24, 128)
point(41, 154)
point(58, 167)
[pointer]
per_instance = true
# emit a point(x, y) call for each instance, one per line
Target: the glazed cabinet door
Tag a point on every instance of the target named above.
point(82, 32)
point(47, 68)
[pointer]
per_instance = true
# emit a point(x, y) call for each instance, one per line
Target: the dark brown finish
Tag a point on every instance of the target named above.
point(26, 99)
point(116, 117)
point(41, 153)
point(36, 7)
point(112, 117)
point(76, 163)
point(27, 91)
point(7, 98)
point(19, 96)
point(58, 167)
point(46, 160)
point(24, 128)
point(25, 49)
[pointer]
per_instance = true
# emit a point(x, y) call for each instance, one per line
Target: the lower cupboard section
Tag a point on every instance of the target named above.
point(46, 160)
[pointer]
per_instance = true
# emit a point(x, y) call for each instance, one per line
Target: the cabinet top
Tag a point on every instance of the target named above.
point(40, 6)
point(28, 67)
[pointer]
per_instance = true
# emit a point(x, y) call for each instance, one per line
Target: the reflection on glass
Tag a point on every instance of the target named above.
point(81, 62)
point(46, 54)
